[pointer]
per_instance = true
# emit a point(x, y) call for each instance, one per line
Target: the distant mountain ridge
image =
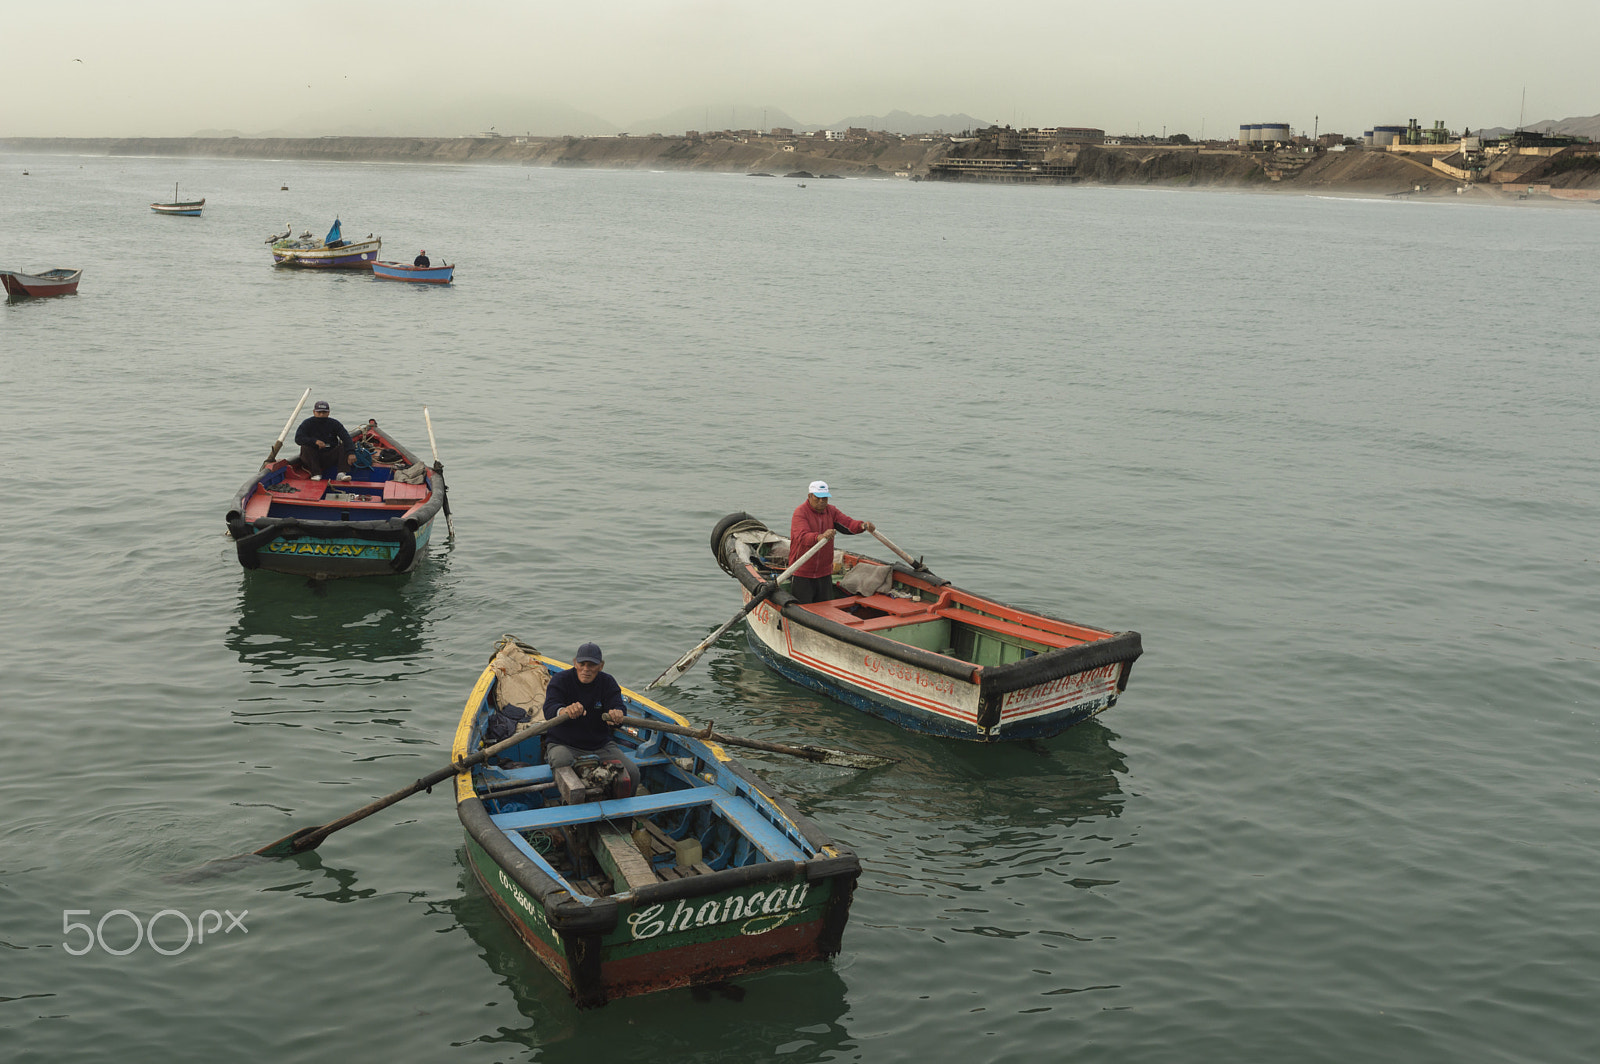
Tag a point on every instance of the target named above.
point(1572, 127)
point(907, 124)
point(706, 118)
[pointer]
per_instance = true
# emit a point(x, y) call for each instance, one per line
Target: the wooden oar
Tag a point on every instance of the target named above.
point(914, 563)
point(279, 441)
point(819, 754)
point(685, 663)
point(449, 525)
point(310, 838)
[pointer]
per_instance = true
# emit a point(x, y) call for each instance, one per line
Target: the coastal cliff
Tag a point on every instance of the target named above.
point(873, 155)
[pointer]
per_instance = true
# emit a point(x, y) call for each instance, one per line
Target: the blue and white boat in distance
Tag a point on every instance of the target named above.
point(400, 271)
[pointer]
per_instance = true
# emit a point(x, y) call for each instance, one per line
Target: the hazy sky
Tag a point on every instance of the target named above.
point(173, 67)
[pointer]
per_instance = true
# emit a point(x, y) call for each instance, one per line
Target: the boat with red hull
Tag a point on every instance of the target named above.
point(904, 644)
point(58, 282)
point(702, 876)
point(377, 523)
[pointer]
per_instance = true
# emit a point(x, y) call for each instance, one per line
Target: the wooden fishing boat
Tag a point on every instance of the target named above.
point(908, 646)
point(377, 523)
point(332, 252)
point(58, 282)
point(189, 209)
point(401, 271)
point(702, 876)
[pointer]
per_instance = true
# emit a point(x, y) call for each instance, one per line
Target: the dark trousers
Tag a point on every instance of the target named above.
point(323, 461)
point(812, 589)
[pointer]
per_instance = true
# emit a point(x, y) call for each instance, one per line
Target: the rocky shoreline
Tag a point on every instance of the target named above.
point(875, 155)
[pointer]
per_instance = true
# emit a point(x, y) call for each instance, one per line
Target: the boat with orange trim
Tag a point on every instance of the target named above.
point(906, 645)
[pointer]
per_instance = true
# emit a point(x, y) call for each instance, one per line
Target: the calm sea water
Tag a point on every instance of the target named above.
point(1334, 458)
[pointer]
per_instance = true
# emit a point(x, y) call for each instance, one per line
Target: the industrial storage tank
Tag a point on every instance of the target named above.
point(1383, 136)
point(1278, 131)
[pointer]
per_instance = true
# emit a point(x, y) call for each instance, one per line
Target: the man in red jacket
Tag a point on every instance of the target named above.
point(817, 518)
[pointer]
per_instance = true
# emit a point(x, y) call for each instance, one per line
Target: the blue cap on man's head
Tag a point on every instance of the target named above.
point(319, 407)
point(589, 652)
point(819, 488)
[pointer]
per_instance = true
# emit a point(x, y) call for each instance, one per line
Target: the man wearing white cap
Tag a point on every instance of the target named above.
point(817, 518)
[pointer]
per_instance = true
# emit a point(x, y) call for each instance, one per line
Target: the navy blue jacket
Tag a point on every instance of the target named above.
point(325, 429)
point(588, 732)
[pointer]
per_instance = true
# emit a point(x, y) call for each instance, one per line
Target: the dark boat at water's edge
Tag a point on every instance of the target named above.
point(909, 646)
point(57, 282)
point(377, 523)
point(700, 877)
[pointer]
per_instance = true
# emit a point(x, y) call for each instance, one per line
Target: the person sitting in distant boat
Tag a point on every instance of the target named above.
point(588, 703)
point(817, 518)
point(325, 447)
point(422, 259)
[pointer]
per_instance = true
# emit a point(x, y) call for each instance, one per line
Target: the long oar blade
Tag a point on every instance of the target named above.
point(683, 664)
point(310, 838)
point(272, 454)
point(819, 754)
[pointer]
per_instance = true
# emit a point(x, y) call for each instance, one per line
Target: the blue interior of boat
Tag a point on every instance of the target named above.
point(734, 825)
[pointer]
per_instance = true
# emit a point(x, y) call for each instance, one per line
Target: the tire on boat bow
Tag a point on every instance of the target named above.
point(734, 522)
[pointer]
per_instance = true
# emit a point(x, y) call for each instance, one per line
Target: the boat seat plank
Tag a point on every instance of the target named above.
point(494, 774)
point(999, 627)
point(898, 606)
point(758, 829)
point(607, 809)
point(395, 491)
point(738, 811)
point(836, 610)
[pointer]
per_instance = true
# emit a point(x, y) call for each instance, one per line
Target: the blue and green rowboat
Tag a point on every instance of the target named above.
point(373, 524)
point(701, 876)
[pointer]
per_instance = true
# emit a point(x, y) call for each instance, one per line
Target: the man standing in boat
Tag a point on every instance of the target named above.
point(588, 702)
point(817, 518)
point(325, 446)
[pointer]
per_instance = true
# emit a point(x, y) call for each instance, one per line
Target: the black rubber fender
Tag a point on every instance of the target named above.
point(721, 530)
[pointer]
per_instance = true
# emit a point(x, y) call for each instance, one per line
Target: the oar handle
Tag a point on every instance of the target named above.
point(683, 664)
point(279, 442)
point(915, 563)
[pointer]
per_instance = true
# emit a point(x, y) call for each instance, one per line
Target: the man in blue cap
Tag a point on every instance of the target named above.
point(325, 447)
point(588, 702)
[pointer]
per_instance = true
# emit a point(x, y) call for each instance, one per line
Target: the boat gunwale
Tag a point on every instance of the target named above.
point(992, 680)
point(574, 914)
point(407, 528)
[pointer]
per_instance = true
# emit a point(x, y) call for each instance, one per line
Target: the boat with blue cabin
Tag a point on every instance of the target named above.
point(332, 252)
point(701, 875)
point(377, 523)
point(905, 644)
